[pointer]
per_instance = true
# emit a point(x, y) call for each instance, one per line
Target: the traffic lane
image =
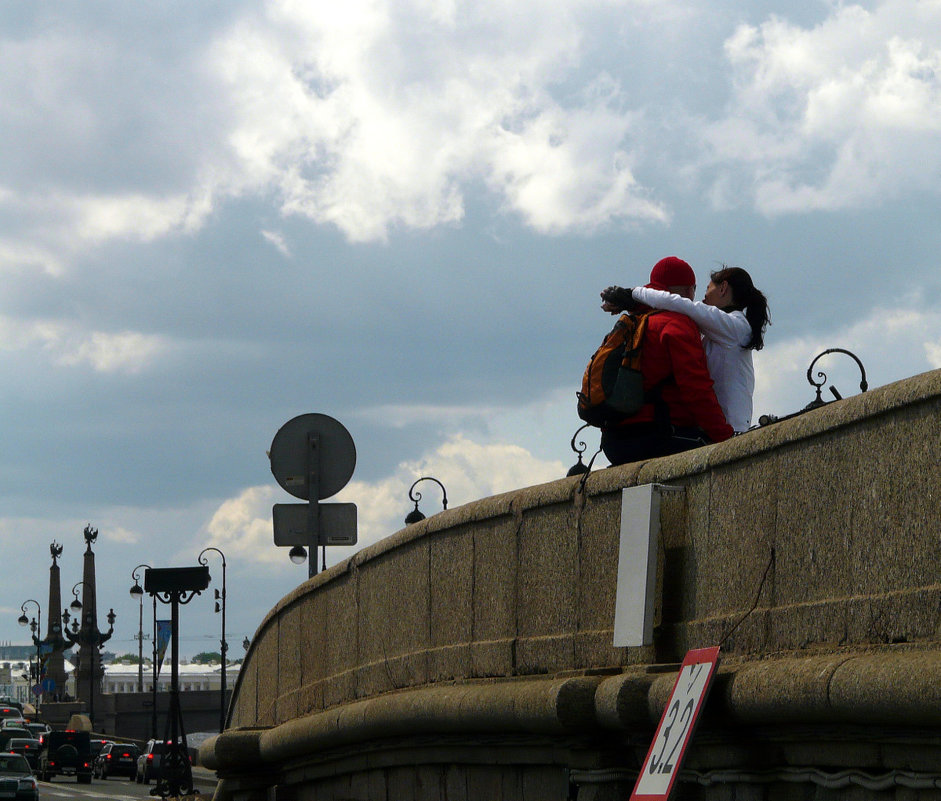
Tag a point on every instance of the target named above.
point(116, 788)
point(108, 788)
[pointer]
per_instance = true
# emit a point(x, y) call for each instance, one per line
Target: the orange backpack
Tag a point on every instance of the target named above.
point(613, 387)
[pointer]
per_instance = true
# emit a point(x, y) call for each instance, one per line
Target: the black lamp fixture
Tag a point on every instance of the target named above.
point(23, 620)
point(76, 605)
point(579, 468)
point(223, 645)
point(414, 516)
point(818, 401)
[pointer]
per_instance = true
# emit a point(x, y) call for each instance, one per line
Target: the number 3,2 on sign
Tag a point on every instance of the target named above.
point(676, 725)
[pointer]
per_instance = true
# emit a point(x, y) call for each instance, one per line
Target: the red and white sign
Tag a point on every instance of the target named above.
point(676, 726)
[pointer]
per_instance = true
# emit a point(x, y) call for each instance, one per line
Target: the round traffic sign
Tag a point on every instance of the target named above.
point(294, 459)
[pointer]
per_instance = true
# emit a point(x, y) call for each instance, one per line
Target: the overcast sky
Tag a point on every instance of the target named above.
point(399, 213)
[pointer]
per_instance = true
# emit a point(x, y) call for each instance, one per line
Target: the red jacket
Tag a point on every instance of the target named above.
point(673, 347)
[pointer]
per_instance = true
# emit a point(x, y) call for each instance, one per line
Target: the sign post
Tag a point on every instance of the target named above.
point(313, 457)
point(677, 725)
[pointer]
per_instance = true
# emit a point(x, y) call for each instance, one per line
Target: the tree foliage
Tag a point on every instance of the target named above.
point(207, 658)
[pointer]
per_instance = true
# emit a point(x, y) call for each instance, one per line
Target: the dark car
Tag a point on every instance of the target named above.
point(11, 733)
point(65, 753)
point(117, 759)
point(95, 746)
point(27, 747)
point(37, 729)
point(16, 779)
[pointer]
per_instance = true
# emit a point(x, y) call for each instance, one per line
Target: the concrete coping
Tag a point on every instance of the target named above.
point(891, 686)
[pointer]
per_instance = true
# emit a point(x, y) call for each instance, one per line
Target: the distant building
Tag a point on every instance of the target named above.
point(15, 680)
point(118, 677)
point(9, 651)
point(122, 678)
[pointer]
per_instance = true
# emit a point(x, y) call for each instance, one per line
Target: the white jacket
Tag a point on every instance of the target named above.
point(724, 335)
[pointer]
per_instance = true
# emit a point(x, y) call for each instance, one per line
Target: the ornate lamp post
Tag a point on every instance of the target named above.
point(35, 626)
point(223, 645)
point(414, 516)
point(89, 638)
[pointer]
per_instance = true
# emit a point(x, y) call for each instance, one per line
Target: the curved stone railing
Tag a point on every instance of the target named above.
point(818, 533)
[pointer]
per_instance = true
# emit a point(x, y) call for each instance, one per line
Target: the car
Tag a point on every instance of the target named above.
point(28, 747)
point(95, 746)
point(9, 700)
point(12, 733)
point(116, 759)
point(148, 763)
point(37, 729)
point(10, 711)
point(65, 753)
point(16, 779)
point(13, 722)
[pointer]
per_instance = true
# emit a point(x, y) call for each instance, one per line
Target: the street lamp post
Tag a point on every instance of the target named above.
point(220, 606)
point(175, 586)
point(35, 626)
point(138, 592)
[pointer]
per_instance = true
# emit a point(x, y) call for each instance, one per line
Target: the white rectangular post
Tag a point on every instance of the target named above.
point(637, 565)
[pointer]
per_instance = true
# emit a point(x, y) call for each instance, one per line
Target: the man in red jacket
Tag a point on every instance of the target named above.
point(685, 413)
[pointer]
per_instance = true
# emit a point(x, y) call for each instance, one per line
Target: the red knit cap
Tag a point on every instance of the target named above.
point(671, 271)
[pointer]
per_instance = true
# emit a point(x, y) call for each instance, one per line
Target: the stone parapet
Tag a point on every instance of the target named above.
point(808, 549)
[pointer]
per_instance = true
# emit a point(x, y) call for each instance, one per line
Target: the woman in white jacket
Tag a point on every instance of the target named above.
point(732, 318)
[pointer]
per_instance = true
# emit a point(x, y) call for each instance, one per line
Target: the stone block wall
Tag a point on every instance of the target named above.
point(828, 520)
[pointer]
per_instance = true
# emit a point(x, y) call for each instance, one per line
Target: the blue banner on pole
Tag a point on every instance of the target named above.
point(164, 632)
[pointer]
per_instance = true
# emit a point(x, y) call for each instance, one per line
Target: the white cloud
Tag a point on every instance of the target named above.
point(119, 534)
point(69, 346)
point(378, 115)
point(137, 216)
point(278, 241)
point(836, 116)
point(469, 471)
point(56, 227)
point(241, 526)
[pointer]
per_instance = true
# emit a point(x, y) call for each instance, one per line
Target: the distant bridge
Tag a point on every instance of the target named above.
point(470, 656)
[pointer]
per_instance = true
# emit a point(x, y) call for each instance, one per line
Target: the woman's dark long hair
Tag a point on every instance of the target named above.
point(745, 297)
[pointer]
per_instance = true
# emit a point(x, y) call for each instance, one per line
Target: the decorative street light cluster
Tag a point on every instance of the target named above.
point(49, 673)
point(88, 636)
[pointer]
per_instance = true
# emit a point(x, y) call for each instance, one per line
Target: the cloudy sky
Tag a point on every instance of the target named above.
point(399, 213)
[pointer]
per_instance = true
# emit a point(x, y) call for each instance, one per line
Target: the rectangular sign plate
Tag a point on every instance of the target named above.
point(676, 725)
point(337, 524)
